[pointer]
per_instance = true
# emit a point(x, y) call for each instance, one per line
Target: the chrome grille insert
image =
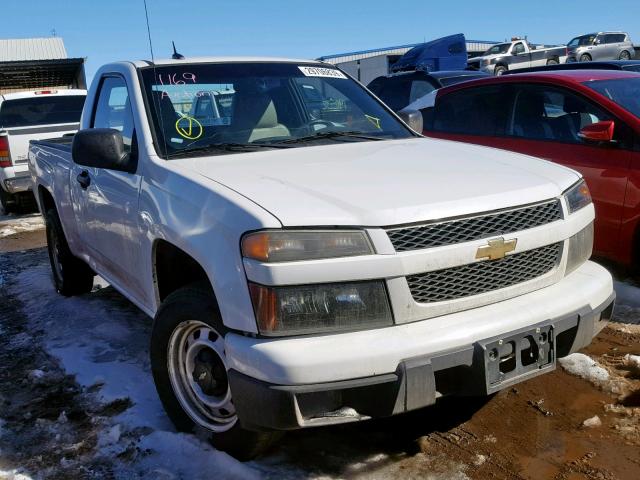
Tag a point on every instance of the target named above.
point(484, 276)
point(473, 228)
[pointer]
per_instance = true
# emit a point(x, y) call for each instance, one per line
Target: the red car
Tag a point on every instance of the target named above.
point(588, 120)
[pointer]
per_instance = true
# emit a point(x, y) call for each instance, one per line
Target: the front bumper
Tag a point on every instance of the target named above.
point(299, 382)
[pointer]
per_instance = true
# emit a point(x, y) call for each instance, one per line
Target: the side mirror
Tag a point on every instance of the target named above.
point(413, 118)
point(598, 132)
point(101, 148)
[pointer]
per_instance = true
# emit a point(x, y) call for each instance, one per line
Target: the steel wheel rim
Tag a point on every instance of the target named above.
point(198, 374)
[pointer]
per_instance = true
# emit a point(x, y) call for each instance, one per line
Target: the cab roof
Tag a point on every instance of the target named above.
point(191, 60)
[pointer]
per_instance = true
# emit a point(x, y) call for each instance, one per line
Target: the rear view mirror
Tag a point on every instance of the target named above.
point(598, 132)
point(413, 118)
point(101, 148)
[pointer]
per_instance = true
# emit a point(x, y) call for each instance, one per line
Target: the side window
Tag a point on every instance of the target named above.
point(549, 113)
point(600, 40)
point(620, 37)
point(419, 88)
point(113, 109)
point(518, 48)
point(473, 111)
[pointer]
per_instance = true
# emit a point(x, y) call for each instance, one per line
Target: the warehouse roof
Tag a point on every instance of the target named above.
point(20, 49)
point(471, 45)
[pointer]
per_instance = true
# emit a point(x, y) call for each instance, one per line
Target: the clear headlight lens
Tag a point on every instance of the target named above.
point(580, 248)
point(289, 246)
point(322, 308)
point(578, 196)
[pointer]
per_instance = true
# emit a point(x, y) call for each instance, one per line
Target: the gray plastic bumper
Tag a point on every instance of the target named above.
point(479, 369)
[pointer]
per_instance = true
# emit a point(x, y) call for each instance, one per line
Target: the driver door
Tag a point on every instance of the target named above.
point(107, 200)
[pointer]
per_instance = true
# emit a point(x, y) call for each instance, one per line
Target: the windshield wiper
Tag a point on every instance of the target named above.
point(325, 135)
point(224, 147)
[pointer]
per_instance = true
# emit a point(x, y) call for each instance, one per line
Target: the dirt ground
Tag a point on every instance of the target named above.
point(50, 425)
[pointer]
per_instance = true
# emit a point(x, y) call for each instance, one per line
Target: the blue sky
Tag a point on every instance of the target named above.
point(107, 30)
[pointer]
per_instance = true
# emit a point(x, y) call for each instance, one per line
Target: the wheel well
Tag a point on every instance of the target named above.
point(584, 55)
point(174, 269)
point(46, 199)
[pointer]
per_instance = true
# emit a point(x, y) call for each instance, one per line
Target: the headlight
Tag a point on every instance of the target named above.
point(290, 246)
point(577, 196)
point(323, 308)
point(580, 248)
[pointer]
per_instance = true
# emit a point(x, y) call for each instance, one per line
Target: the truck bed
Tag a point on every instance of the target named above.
point(59, 143)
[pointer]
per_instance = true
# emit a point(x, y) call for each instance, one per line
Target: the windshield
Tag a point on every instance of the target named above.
point(45, 110)
point(203, 106)
point(624, 91)
point(498, 49)
point(580, 41)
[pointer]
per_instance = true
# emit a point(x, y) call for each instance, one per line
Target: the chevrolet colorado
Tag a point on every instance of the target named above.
point(307, 258)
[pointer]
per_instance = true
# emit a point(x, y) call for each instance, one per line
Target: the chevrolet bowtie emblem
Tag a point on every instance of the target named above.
point(497, 248)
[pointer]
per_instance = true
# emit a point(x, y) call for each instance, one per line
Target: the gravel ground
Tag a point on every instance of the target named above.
point(76, 401)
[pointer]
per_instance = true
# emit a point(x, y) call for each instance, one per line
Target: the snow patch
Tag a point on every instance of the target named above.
point(177, 455)
point(13, 475)
point(585, 367)
point(11, 226)
point(632, 362)
point(592, 422)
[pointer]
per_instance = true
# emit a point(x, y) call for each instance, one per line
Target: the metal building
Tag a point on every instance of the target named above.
point(32, 63)
point(366, 65)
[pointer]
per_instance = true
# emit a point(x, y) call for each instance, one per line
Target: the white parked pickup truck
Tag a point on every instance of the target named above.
point(26, 116)
point(308, 259)
point(515, 55)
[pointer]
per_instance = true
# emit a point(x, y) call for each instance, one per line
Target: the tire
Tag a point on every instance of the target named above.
point(585, 57)
point(624, 55)
point(26, 202)
point(71, 276)
point(553, 61)
point(7, 201)
point(187, 316)
point(499, 70)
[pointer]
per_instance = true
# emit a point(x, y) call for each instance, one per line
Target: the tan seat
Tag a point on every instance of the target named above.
point(256, 118)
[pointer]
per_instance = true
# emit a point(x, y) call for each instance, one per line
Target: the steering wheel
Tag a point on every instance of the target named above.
point(324, 123)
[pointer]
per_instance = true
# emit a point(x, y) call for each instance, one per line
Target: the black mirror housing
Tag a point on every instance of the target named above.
point(101, 148)
point(413, 118)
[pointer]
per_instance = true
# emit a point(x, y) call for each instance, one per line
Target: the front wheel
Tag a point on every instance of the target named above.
point(189, 367)
point(71, 275)
point(585, 57)
point(624, 55)
point(500, 70)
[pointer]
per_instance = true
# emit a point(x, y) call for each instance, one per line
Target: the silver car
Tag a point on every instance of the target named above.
point(600, 46)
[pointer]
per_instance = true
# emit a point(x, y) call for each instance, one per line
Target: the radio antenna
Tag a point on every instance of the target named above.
point(155, 98)
point(146, 14)
point(176, 55)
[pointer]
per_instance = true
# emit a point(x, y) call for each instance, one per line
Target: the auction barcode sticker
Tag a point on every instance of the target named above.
point(322, 72)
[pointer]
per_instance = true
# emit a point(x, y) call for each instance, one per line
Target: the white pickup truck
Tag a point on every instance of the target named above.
point(515, 55)
point(26, 116)
point(308, 259)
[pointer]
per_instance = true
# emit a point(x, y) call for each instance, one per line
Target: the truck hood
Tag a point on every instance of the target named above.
point(381, 183)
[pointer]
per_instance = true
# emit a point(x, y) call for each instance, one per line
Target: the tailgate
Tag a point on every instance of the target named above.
point(19, 138)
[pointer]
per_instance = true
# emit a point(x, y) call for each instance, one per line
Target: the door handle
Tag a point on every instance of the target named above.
point(84, 179)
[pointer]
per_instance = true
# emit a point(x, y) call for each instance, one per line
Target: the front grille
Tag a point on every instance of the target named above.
point(485, 276)
point(473, 228)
